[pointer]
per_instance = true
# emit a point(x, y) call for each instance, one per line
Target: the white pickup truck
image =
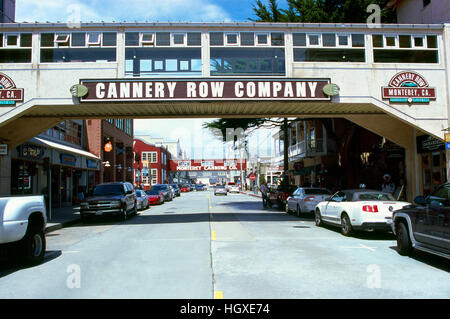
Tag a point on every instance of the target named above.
point(22, 227)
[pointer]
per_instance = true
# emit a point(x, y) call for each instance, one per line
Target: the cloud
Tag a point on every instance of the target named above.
point(119, 11)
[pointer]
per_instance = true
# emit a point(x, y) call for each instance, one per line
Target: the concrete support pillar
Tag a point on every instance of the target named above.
point(5, 174)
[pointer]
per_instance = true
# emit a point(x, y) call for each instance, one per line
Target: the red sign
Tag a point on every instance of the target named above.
point(408, 87)
point(252, 177)
point(208, 165)
point(204, 90)
point(9, 94)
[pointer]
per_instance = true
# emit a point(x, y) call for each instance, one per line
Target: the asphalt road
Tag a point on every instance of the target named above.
point(202, 246)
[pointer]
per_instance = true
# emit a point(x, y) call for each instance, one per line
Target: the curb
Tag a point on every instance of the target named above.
point(258, 196)
point(55, 226)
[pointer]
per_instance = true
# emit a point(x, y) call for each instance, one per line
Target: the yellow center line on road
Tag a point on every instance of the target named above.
point(213, 235)
point(218, 295)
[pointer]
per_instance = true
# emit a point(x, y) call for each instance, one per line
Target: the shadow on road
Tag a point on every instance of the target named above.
point(429, 259)
point(10, 265)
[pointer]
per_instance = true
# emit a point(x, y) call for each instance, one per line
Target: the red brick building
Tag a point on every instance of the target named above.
point(117, 160)
point(152, 164)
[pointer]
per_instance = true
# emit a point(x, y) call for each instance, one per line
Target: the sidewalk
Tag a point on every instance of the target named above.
point(250, 193)
point(63, 217)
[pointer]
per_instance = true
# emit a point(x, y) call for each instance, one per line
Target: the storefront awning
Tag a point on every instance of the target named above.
point(64, 148)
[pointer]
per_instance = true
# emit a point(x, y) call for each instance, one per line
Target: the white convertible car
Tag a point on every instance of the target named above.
point(358, 209)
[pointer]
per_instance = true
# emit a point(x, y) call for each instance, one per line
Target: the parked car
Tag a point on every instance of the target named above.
point(155, 196)
point(185, 188)
point(110, 199)
point(176, 189)
point(165, 189)
point(278, 196)
point(200, 187)
point(220, 189)
point(358, 209)
point(305, 199)
point(22, 227)
point(425, 226)
point(232, 187)
point(191, 187)
point(142, 200)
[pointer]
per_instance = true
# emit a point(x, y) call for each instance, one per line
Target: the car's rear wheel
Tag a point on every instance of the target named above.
point(298, 211)
point(287, 208)
point(33, 246)
point(318, 218)
point(124, 213)
point(404, 246)
point(346, 226)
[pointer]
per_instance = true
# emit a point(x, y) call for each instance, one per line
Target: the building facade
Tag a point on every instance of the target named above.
point(390, 79)
point(421, 11)
point(152, 164)
point(112, 141)
point(7, 11)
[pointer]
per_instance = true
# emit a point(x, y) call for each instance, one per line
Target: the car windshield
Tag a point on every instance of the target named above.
point(231, 183)
point(114, 189)
point(377, 196)
point(138, 193)
point(185, 186)
point(220, 186)
point(174, 185)
point(160, 187)
point(152, 192)
point(317, 191)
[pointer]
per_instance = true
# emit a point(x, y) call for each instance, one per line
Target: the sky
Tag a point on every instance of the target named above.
point(196, 141)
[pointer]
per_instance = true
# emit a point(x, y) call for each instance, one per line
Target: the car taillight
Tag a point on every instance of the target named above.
point(309, 198)
point(370, 208)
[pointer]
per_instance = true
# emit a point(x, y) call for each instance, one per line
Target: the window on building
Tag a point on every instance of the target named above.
point(426, 2)
point(180, 61)
point(78, 47)
point(154, 176)
point(15, 48)
point(329, 47)
point(247, 61)
point(404, 48)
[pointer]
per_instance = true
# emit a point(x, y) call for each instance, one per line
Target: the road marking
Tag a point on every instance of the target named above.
point(218, 295)
point(213, 235)
point(361, 246)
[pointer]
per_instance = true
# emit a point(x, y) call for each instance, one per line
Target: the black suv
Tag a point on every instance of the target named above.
point(426, 225)
point(110, 199)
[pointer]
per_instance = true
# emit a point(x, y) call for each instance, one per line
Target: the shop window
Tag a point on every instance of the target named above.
point(406, 56)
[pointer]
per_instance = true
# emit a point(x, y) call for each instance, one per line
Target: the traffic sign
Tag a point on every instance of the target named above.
point(252, 177)
point(447, 137)
point(447, 146)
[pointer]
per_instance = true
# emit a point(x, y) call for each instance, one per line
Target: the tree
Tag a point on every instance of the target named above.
point(312, 11)
point(253, 123)
point(322, 11)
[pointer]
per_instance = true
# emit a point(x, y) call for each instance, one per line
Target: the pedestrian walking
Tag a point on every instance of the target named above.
point(263, 189)
point(387, 186)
